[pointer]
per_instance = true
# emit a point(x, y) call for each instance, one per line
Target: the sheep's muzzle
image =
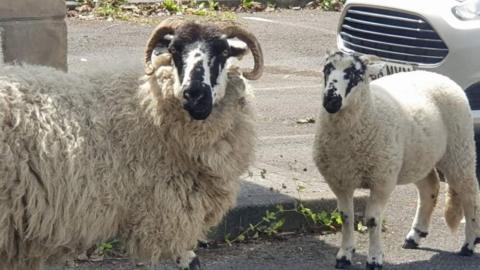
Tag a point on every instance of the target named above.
point(198, 101)
point(332, 103)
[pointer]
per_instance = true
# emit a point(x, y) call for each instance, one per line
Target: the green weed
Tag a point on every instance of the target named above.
point(172, 6)
point(107, 248)
point(110, 8)
point(273, 221)
point(247, 4)
point(331, 5)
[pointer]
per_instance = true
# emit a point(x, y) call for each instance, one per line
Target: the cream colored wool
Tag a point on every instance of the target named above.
point(87, 157)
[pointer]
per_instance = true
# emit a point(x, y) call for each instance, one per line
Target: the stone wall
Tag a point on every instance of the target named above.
point(34, 32)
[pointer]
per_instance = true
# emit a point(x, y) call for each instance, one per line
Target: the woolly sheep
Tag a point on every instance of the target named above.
point(84, 157)
point(395, 130)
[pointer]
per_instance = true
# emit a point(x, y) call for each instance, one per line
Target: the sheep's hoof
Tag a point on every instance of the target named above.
point(343, 263)
point(410, 244)
point(465, 251)
point(203, 244)
point(194, 265)
point(373, 266)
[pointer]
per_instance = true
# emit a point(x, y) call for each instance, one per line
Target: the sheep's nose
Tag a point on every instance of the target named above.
point(196, 91)
point(198, 100)
point(332, 104)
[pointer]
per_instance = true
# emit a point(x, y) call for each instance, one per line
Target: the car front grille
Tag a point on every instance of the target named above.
point(392, 35)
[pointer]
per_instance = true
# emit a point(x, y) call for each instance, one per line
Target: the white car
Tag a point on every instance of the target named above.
point(437, 35)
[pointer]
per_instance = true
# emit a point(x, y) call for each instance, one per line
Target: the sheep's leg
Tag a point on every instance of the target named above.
point(459, 167)
point(374, 219)
point(472, 219)
point(471, 208)
point(462, 180)
point(345, 207)
point(202, 243)
point(428, 189)
point(188, 261)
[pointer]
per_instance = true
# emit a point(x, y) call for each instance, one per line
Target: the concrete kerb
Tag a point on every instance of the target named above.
point(236, 3)
point(278, 3)
point(265, 188)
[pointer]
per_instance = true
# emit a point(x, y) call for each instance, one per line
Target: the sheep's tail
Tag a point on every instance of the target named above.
point(453, 209)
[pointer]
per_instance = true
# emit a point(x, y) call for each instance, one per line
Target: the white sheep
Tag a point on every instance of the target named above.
point(395, 130)
point(84, 157)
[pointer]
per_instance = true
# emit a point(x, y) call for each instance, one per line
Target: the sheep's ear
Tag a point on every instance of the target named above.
point(161, 56)
point(374, 64)
point(330, 52)
point(238, 48)
point(375, 70)
point(165, 41)
point(326, 56)
point(163, 59)
point(368, 58)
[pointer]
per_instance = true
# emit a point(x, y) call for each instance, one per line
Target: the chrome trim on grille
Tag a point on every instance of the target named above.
point(385, 16)
point(393, 35)
point(394, 44)
point(389, 35)
point(397, 53)
point(387, 25)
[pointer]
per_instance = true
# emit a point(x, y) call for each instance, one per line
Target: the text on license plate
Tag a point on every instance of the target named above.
point(392, 68)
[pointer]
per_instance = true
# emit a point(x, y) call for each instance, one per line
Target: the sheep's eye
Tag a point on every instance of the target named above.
point(172, 50)
point(225, 53)
point(328, 69)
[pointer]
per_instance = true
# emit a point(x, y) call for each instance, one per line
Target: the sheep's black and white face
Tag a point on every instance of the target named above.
point(201, 56)
point(342, 73)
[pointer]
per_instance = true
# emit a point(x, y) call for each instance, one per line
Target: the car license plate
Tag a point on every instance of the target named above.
point(392, 68)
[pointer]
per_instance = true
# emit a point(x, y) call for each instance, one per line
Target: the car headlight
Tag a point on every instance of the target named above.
point(467, 10)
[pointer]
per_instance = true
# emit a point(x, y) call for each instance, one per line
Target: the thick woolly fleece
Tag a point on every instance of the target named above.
point(400, 127)
point(86, 157)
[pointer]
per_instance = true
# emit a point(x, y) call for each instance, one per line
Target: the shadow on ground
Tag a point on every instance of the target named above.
point(318, 253)
point(252, 209)
point(439, 261)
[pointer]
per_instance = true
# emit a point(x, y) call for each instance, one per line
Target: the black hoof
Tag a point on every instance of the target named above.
point(465, 251)
point(410, 244)
point(194, 265)
point(420, 233)
point(343, 263)
point(373, 266)
point(203, 244)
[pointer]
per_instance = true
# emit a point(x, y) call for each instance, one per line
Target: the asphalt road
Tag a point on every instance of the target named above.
point(317, 252)
point(294, 43)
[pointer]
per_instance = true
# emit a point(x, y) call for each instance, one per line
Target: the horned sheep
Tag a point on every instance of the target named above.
point(396, 130)
point(155, 161)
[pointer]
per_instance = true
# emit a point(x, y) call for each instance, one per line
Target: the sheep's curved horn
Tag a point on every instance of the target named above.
point(254, 46)
point(166, 27)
